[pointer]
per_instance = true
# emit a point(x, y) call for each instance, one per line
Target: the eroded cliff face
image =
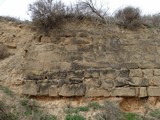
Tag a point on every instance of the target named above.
point(81, 60)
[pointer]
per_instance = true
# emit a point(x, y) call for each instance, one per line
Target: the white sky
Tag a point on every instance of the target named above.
point(18, 8)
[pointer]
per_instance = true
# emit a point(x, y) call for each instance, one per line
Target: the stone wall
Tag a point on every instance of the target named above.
point(92, 64)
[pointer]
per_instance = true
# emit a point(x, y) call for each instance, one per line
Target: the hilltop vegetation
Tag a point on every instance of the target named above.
point(51, 14)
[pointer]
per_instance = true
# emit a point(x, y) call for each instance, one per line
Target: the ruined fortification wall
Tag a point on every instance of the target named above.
point(93, 64)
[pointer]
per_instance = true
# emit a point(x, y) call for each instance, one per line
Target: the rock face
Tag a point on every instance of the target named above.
point(84, 61)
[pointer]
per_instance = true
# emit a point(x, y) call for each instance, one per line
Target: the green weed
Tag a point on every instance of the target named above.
point(74, 117)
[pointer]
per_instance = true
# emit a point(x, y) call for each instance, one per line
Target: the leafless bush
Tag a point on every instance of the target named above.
point(128, 17)
point(89, 8)
point(11, 19)
point(47, 14)
point(152, 20)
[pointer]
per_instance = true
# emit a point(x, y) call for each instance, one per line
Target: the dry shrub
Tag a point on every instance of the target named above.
point(128, 17)
point(49, 14)
point(111, 112)
point(10, 19)
point(152, 20)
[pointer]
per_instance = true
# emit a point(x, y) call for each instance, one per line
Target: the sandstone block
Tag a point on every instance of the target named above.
point(65, 66)
point(124, 91)
point(44, 89)
point(72, 90)
point(149, 65)
point(75, 80)
point(107, 85)
point(71, 48)
point(92, 82)
point(92, 74)
point(157, 72)
point(123, 73)
point(75, 74)
point(142, 92)
point(121, 82)
point(129, 65)
point(148, 72)
point(53, 91)
point(153, 91)
point(30, 88)
point(155, 81)
point(136, 81)
point(149, 57)
point(97, 93)
point(108, 74)
point(135, 73)
point(158, 49)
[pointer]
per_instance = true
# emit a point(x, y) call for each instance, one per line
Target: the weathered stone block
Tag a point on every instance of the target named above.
point(72, 90)
point(153, 91)
point(129, 65)
point(92, 74)
point(34, 65)
point(136, 81)
point(155, 81)
point(44, 89)
point(124, 91)
point(121, 82)
point(149, 65)
point(72, 47)
point(97, 93)
point(75, 74)
point(123, 73)
point(57, 75)
point(53, 91)
point(157, 59)
point(148, 72)
point(142, 92)
point(92, 82)
point(158, 49)
point(149, 57)
point(75, 80)
point(65, 66)
point(157, 72)
point(135, 73)
point(110, 58)
point(107, 85)
point(30, 88)
point(107, 74)
point(77, 66)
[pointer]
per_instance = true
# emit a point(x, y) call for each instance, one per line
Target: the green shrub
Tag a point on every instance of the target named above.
point(47, 117)
point(129, 17)
point(132, 116)
point(77, 109)
point(30, 107)
point(6, 90)
point(5, 114)
point(94, 105)
point(74, 117)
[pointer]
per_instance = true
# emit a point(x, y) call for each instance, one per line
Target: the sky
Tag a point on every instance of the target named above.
point(19, 8)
